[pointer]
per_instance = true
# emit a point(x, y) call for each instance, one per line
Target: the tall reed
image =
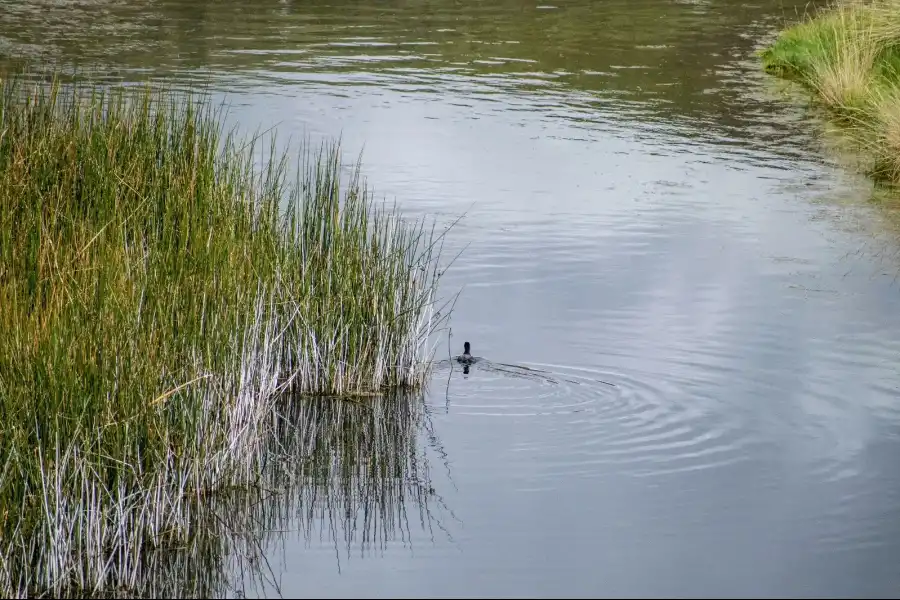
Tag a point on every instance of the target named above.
point(158, 293)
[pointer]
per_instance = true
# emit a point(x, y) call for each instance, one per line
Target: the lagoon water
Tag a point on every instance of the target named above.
point(709, 295)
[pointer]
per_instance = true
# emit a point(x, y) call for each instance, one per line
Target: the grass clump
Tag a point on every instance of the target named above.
point(159, 295)
point(848, 55)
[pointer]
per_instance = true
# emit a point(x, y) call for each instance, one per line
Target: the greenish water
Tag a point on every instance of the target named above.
point(643, 208)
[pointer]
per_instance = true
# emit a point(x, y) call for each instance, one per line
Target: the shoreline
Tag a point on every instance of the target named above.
point(847, 56)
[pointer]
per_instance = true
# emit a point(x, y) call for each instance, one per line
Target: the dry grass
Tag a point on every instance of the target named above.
point(841, 73)
point(881, 136)
point(848, 55)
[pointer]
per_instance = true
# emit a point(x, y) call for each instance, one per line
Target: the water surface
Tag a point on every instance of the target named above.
point(649, 221)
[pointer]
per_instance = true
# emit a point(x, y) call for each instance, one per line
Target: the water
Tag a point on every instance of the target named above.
point(706, 295)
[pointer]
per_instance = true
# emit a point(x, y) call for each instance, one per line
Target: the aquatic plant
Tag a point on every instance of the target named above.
point(353, 474)
point(159, 293)
point(848, 55)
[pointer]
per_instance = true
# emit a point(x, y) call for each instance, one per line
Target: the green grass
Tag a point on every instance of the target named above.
point(848, 56)
point(159, 295)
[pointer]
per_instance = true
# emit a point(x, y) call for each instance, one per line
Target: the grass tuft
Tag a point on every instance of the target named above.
point(848, 55)
point(160, 294)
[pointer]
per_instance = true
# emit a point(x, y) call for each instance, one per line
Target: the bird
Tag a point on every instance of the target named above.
point(466, 358)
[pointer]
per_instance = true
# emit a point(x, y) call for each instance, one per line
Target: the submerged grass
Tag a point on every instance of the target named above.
point(159, 294)
point(848, 55)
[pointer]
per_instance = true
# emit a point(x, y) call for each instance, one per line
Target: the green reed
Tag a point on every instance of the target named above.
point(158, 293)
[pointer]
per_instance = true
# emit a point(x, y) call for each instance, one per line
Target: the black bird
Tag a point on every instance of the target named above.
point(466, 358)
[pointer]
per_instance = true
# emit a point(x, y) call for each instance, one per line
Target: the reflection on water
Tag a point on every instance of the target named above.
point(366, 478)
point(659, 63)
point(349, 474)
point(706, 301)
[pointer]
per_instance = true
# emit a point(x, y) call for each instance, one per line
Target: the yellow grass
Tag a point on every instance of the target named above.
point(848, 55)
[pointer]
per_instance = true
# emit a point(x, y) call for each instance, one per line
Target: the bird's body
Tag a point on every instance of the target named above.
point(466, 357)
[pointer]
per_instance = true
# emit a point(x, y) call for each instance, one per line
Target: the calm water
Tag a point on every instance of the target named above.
point(642, 208)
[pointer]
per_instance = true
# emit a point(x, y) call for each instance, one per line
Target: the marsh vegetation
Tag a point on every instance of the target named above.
point(163, 297)
point(848, 55)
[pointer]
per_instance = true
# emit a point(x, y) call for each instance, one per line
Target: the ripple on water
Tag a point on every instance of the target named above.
point(606, 420)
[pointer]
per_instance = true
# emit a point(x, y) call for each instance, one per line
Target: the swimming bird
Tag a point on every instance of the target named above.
point(466, 358)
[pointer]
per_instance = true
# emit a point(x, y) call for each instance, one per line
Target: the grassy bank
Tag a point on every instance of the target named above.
point(848, 55)
point(160, 296)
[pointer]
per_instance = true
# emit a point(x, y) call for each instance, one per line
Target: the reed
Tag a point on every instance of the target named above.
point(352, 474)
point(159, 293)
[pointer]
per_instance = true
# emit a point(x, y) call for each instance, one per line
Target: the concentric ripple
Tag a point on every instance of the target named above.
point(594, 421)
